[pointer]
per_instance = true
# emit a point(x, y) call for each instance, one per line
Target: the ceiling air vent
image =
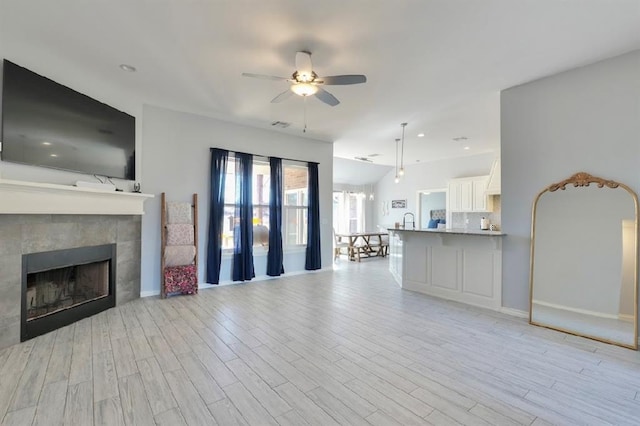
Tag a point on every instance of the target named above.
point(281, 124)
point(368, 160)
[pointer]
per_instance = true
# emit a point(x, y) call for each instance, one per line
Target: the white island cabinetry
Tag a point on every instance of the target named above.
point(395, 256)
point(465, 266)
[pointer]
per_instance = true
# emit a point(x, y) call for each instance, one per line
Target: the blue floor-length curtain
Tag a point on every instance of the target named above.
point(275, 266)
point(313, 260)
point(243, 230)
point(216, 213)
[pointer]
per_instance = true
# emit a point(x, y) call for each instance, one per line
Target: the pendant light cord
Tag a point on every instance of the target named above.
point(397, 140)
point(402, 151)
point(396, 157)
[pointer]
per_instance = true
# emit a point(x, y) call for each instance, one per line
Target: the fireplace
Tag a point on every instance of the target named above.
point(63, 286)
point(42, 217)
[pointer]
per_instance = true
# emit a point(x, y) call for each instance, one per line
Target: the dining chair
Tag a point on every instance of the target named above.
point(338, 245)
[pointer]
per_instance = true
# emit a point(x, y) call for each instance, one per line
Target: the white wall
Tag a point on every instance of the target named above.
point(354, 172)
point(429, 175)
point(177, 161)
point(587, 119)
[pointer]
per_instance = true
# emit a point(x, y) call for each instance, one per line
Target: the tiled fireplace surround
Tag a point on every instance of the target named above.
point(22, 234)
point(40, 217)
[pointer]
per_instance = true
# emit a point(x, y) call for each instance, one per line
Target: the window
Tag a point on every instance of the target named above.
point(295, 182)
point(296, 204)
point(260, 180)
point(229, 204)
point(348, 212)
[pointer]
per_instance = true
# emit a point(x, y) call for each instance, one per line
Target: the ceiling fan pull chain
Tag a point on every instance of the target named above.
point(304, 130)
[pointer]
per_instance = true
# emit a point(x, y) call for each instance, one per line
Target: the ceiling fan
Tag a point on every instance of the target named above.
point(305, 82)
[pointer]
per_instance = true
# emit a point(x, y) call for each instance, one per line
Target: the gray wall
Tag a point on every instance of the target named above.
point(586, 119)
point(177, 161)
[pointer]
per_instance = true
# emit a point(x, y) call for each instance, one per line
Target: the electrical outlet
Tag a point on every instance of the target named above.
point(466, 221)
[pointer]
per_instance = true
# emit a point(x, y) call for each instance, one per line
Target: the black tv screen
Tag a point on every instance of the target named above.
point(50, 125)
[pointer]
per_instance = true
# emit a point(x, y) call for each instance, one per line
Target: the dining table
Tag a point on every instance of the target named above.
point(366, 244)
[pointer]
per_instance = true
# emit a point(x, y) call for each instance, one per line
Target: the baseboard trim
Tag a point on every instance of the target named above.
point(151, 293)
point(514, 312)
point(576, 310)
point(625, 317)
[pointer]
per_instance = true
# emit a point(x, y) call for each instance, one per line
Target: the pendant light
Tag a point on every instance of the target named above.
point(397, 179)
point(401, 171)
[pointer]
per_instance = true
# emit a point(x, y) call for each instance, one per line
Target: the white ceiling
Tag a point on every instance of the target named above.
point(355, 172)
point(437, 64)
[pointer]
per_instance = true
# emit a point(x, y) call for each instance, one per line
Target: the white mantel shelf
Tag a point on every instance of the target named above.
point(19, 197)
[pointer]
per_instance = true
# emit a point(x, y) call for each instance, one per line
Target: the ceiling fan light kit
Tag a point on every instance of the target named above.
point(305, 82)
point(304, 89)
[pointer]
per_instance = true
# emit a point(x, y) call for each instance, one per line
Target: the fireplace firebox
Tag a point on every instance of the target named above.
point(63, 286)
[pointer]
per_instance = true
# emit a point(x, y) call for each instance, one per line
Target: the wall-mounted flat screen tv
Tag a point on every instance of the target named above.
point(50, 125)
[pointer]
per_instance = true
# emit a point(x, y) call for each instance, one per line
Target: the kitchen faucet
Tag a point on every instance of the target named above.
point(413, 220)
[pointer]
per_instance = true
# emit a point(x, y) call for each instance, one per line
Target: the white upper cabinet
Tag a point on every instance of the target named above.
point(454, 203)
point(480, 198)
point(493, 186)
point(469, 195)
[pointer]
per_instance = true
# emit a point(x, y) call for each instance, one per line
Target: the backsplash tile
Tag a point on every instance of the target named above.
point(459, 220)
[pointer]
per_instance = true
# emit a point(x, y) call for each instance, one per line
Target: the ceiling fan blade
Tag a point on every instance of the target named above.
point(341, 80)
point(282, 96)
point(264, 77)
point(326, 97)
point(303, 62)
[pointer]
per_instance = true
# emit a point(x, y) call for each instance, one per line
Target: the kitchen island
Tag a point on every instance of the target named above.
point(457, 264)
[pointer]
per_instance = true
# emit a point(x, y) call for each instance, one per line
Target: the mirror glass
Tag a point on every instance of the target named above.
point(583, 265)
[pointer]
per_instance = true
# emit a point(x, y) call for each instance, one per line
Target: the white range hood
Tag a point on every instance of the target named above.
point(493, 186)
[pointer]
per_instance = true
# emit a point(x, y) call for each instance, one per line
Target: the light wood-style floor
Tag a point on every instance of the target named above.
point(343, 347)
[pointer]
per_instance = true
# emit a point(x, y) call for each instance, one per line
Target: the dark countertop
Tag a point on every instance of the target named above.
point(454, 231)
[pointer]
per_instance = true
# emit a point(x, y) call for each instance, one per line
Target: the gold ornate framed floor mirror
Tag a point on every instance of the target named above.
point(584, 260)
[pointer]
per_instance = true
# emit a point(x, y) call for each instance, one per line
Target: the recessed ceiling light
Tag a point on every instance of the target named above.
point(421, 135)
point(127, 68)
point(46, 143)
point(53, 155)
point(467, 148)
